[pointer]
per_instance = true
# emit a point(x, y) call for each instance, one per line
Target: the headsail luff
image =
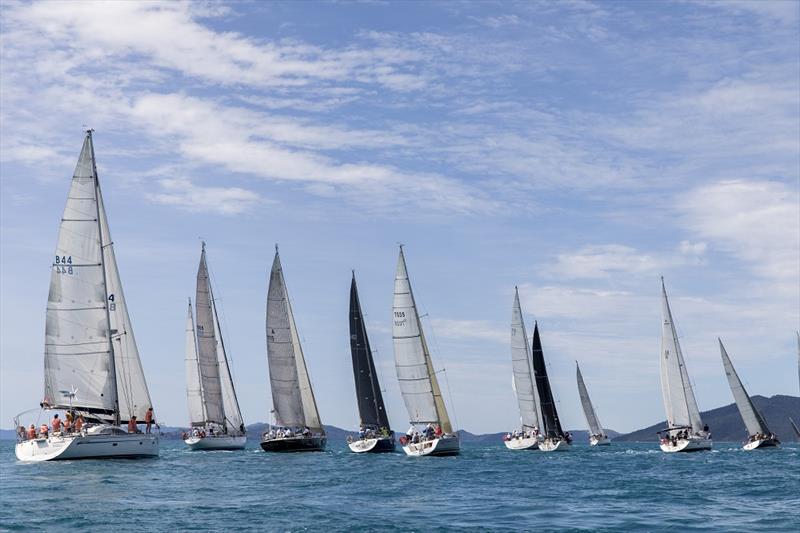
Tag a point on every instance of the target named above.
point(679, 400)
point(371, 409)
point(89, 343)
point(292, 396)
point(194, 390)
point(522, 369)
point(750, 415)
point(418, 383)
point(207, 346)
point(551, 423)
point(588, 409)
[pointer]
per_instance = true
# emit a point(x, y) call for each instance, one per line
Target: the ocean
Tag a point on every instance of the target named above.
point(624, 487)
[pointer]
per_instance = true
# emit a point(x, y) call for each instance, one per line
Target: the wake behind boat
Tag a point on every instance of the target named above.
point(374, 435)
point(299, 428)
point(555, 438)
point(597, 436)
point(524, 385)
point(431, 432)
point(759, 434)
point(214, 414)
point(92, 368)
point(685, 431)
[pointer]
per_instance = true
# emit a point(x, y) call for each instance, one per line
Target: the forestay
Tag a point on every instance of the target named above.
point(750, 415)
point(292, 396)
point(588, 409)
point(522, 368)
point(194, 392)
point(87, 318)
point(418, 383)
point(679, 400)
point(207, 346)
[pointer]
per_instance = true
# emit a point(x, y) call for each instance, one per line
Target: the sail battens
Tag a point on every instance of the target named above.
point(522, 368)
point(752, 419)
point(207, 346)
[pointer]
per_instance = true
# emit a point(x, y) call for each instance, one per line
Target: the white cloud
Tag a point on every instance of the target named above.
point(183, 193)
point(469, 329)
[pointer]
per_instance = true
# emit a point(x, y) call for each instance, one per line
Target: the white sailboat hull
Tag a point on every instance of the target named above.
point(602, 441)
point(692, 444)
point(64, 447)
point(526, 443)
point(221, 442)
point(549, 445)
point(760, 443)
point(446, 445)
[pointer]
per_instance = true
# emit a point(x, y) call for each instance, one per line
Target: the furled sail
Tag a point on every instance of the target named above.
point(207, 346)
point(679, 400)
point(750, 415)
point(522, 368)
point(551, 423)
point(194, 392)
point(368, 391)
point(418, 383)
point(90, 350)
point(588, 409)
point(292, 396)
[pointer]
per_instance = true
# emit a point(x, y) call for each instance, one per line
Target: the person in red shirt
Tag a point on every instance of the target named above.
point(56, 423)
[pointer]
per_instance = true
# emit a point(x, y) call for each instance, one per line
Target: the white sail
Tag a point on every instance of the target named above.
point(588, 409)
point(230, 404)
point(207, 346)
point(679, 400)
point(418, 383)
point(194, 392)
point(292, 396)
point(752, 419)
point(522, 368)
point(87, 316)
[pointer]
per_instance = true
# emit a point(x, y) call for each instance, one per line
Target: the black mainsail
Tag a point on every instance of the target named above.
point(552, 425)
point(368, 391)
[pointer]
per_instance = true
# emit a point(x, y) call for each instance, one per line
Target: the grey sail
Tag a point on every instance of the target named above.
point(588, 409)
point(750, 415)
point(292, 397)
point(415, 373)
point(90, 349)
point(679, 400)
point(207, 346)
point(522, 367)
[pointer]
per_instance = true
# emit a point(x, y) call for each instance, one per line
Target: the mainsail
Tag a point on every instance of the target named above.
point(588, 409)
point(194, 388)
point(551, 423)
point(207, 346)
point(418, 383)
point(679, 401)
point(750, 415)
point(90, 349)
point(522, 368)
point(368, 390)
point(292, 396)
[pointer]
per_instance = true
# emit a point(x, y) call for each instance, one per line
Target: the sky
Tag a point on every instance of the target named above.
point(577, 150)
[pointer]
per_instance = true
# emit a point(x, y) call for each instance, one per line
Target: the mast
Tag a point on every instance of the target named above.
point(750, 416)
point(372, 411)
point(112, 362)
point(552, 425)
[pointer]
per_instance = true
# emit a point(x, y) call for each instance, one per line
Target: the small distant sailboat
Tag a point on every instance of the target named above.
point(685, 431)
point(418, 383)
point(760, 435)
point(597, 436)
point(524, 385)
point(555, 438)
point(375, 435)
point(794, 427)
point(214, 412)
point(92, 368)
point(299, 428)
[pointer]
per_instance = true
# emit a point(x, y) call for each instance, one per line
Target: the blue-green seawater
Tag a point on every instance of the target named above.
point(625, 487)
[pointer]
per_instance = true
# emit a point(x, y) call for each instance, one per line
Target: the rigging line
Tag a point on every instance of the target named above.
point(216, 299)
point(452, 404)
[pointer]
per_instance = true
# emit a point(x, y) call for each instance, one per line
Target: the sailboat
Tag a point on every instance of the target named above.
point(555, 438)
point(214, 412)
point(375, 434)
point(685, 431)
point(91, 364)
point(760, 435)
point(524, 385)
point(299, 428)
point(418, 383)
point(597, 437)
